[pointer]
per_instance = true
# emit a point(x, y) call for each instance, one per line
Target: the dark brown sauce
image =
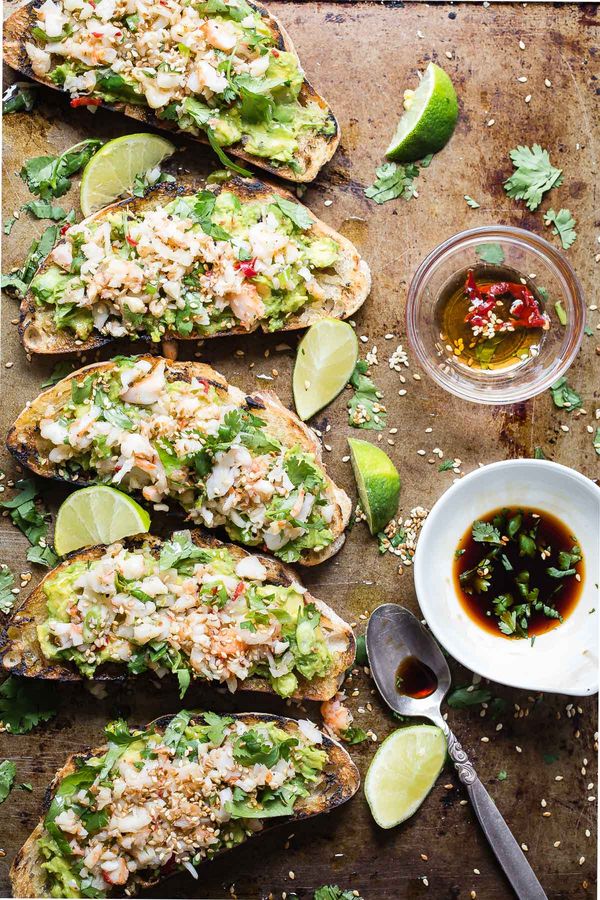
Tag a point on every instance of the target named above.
point(415, 679)
point(553, 534)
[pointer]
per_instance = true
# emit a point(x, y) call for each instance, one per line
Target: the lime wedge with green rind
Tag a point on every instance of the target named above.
point(378, 483)
point(325, 361)
point(429, 123)
point(113, 169)
point(97, 515)
point(403, 771)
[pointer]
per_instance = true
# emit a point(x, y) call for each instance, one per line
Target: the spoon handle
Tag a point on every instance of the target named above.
point(509, 854)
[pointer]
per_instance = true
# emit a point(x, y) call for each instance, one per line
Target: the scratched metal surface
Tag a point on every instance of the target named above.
point(361, 56)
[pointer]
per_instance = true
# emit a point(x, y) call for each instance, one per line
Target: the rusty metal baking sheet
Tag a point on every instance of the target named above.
point(361, 56)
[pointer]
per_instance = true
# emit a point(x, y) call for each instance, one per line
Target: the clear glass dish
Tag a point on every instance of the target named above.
point(534, 258)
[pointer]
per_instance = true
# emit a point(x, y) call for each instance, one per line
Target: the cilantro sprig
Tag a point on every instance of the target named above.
point(365, 407)
point(534, 175)
point(8, 770)
point(50, 176)
point(564, 226)
point(30, 516)
point(564, 396)
point(25, 703)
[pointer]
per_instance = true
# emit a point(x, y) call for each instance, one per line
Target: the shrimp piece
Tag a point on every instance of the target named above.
point(115, 871)
point(62, 255)
point(221, 35)
point(147, 390)
point(40, 60)
point(246, 304)
point(336, 718)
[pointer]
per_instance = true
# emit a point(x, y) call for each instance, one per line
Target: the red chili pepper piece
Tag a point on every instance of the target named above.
point(247, 267)
point(524, 311)
point(131, 241)
point(482, 304)
point(65, 228)
point(239, 590)
point(86, 101)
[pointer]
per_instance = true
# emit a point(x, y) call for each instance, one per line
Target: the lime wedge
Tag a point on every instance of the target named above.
point(113, 169)
point(429, 122)
point(325, 361)
point(97, 515)
point(403, 771)
point(378, 483)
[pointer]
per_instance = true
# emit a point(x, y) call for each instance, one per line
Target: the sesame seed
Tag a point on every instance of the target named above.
point(528, 98)
point(522, 79)
point(521, 45)
point(491, 122)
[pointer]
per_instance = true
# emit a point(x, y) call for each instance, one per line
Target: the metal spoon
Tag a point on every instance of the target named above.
point(393, 634)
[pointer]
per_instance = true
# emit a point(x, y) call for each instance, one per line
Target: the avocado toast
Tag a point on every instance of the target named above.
point(191, 262)
point(158, 801)
point(178, 431)
point(189, 605)
point(223, 71)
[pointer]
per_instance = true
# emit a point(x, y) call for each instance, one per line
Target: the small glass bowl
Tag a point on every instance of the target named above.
point(529, 255)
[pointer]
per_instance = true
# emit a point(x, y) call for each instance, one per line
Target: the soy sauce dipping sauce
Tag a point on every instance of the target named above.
point(415, 679)
point(554, 544)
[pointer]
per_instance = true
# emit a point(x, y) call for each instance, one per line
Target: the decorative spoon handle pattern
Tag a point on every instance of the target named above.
point(501, 839)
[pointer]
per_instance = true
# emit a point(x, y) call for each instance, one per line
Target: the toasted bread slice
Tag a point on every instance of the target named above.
point(314, 149)
point(345, 291)
point(21, 653)
point(31, 450)
point(340, 783)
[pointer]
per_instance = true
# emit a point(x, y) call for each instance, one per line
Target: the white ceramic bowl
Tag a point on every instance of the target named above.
point(564, 660)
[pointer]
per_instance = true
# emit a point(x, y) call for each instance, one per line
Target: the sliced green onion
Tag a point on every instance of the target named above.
point(561, 312)
point(212, 140)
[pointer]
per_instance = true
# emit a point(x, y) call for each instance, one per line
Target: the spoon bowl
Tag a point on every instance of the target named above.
point(394, 635)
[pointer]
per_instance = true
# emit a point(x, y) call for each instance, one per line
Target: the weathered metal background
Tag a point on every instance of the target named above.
point(361, 56)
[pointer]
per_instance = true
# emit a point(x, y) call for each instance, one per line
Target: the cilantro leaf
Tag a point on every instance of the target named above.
point(203, 211)
point(8, 770)
point(50, 176)
point(18, 281)
point(502, 776)
point(184, 678)
point(391, 181)
point(491, 253)
point(365, 409)
point(565, 397)
point(31, 517)
point(463, 698)
point(564, 226)
point(7, 582)
point(42, 556)
point(354, 735)
point(333, 892)
point(60, 371)
point(43, 209)
point(472, 203)
point(297, 214)
point(596, 443)
point(25, 703)
point(534, 175)
point(446, 465)
point(538, 453)
point(181, 553)
point(20, 96)
point(485, 533)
